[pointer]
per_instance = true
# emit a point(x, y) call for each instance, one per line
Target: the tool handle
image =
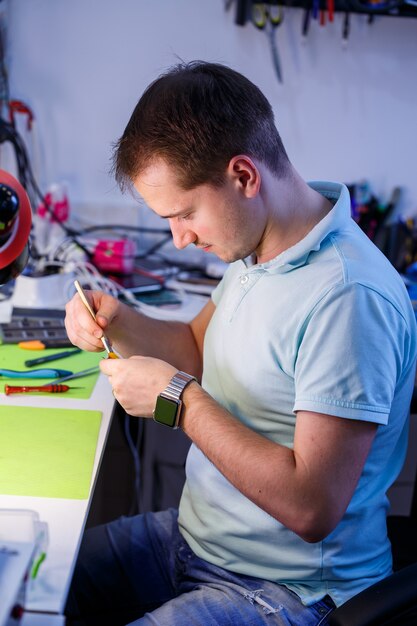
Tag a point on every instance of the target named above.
point(90, 370)
point(39, 373)
point(330, 10)
point(9, 389)
point(259, 14)
point(306, 22)
point(84, 299)
point(104, 339)
point(41, 345)
point(51, 357)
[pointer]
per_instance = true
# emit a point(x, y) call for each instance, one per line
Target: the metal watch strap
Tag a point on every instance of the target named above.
point(176, 385)
point(170, 414)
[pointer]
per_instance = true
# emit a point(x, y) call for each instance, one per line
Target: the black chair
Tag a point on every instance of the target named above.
point(392, 601)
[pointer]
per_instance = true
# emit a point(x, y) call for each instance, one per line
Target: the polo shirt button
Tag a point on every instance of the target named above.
point(244, 280)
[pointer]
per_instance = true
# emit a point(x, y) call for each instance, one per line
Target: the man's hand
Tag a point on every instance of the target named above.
point(82, 330)
point(136, 382)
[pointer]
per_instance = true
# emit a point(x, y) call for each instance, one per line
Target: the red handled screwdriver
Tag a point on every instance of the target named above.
point(8, 389)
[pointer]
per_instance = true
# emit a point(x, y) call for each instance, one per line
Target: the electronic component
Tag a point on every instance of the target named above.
point(45, 325)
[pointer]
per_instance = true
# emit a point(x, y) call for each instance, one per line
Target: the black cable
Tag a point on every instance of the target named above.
point(139, 229)
point(136, 504)
point(27, 179)
point(182, 265)
point(155, 247)
point(4, 82)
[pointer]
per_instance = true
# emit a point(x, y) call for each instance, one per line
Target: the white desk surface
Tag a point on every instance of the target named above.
point(65, 518)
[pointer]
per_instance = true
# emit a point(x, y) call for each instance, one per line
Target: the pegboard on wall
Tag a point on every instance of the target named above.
point(256, 12)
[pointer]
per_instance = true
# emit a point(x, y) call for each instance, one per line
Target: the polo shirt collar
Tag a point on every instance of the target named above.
point(337, 219)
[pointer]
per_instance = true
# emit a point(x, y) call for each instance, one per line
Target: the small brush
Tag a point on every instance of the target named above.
point(106, 343)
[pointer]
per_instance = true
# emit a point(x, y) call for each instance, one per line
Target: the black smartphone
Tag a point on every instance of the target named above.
point(139, 283)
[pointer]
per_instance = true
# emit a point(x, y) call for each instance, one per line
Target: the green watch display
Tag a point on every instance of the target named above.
point(168, 403)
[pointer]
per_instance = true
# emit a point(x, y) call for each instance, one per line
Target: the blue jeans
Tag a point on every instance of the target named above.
point(140, 571)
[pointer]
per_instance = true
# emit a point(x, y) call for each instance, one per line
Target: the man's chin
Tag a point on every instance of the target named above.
point(228, 257)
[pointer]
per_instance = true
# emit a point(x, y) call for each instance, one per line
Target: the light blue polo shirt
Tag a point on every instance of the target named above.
point(326, 326)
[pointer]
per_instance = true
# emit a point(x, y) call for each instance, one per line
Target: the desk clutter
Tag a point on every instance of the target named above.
point(23, 548)
point(41, 325)
point(82, 367)
point(41, 334)
point(394, 234)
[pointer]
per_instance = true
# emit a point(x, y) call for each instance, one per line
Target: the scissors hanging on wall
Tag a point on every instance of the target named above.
point(268, 16)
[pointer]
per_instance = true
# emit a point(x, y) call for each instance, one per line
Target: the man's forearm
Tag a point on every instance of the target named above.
point(306, 488)
point(255, 465)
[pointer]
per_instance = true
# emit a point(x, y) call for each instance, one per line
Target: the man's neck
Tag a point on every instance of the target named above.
point(294, 209)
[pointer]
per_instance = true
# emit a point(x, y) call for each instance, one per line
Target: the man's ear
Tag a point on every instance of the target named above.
point(244, 173)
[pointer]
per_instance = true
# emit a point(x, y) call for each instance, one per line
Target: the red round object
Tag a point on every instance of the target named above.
point(15, 245)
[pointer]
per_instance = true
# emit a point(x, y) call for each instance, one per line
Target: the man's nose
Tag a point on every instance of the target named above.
point(182, 235)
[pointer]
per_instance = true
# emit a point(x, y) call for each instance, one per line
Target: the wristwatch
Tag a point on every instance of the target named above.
point(168, 403)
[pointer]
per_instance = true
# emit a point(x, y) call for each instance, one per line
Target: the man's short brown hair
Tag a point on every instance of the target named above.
point(196, 117)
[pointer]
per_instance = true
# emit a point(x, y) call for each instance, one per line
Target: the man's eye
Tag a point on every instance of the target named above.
point(187, 216)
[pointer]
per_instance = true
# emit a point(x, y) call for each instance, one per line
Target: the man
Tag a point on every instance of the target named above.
point(304, 360)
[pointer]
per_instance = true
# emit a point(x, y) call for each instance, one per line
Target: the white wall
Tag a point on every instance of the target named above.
point(344, 113)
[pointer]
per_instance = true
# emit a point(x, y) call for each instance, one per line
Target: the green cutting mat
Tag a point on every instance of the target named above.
point(47, 452)
point(13, 358)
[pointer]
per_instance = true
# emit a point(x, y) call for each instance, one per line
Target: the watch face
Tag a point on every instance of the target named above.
point(166, 411)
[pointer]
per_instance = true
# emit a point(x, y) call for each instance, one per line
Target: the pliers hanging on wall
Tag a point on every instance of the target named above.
point(269, 15)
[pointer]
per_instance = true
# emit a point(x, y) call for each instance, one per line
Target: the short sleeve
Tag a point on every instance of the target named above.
point(349, 355)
